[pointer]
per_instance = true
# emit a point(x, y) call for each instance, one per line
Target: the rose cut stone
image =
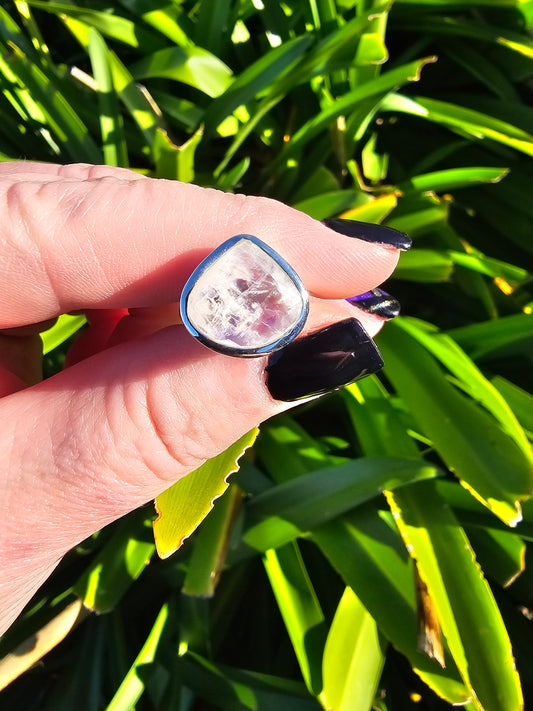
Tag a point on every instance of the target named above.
point(244, 299)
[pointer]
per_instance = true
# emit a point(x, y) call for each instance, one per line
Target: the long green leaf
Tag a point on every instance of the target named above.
point(191, 65)
point(119, 563)
point(68, 129)
point(476, 125)
point(368, 553)
point(454, 178)
point(255, 78)
point(132, 687)
point(300, 609)
point(376, 89)
point(108, 24)
point(353, 657)
point(473, 381)
point(232, 689)
point(481, 339)
point(299, 506)
point(111, 125)
point(469, 440)
point(468, 614)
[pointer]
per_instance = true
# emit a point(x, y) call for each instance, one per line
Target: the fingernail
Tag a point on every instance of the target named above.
point(379, 234)
point(378, 303)
point(323, 361)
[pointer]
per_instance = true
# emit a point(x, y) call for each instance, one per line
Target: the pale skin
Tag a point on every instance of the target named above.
point(140, 403)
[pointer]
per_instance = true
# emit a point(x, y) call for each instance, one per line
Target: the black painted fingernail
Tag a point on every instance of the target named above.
point(324, 360)
point(379, 234)
point(378, 303)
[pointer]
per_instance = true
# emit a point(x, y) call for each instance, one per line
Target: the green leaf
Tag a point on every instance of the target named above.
point(420, 214)
point(132, 688)
point(501, 554)
point(232, 689)
point(491, 267)
point(378, 426)
point(326, 204)
point(118, 564)
point(108, 24)
point(368, 553)
point(211, 545)
point(467, 612)
point(300, 610)
point(175, 162)
point(374, 211)
point(230, 180)
point(520, 401)
point(134, 97)
point(296, 507)
point(65, 327)
point(459, 27)
point(473, 124)
point(193, 66)
point(353, 657)
point(482, 68)
point(376, 89)
point(424, 265)
point(469, 440)
point(471, 378)
point(255, 78)
point(453, 178)
point(482, 339)
point(68, 129)
point(183, 506)
point(111, 125)
point(163, 18)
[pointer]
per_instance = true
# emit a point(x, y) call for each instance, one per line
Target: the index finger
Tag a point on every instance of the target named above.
point(79, 237)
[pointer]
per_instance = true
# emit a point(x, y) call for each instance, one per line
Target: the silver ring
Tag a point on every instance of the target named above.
point(244, 299)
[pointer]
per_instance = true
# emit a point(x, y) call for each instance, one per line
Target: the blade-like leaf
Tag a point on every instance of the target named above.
point(300, 610)
point(191, 65)
point(211, 545)
point(368, 553)
point(183, 507)
point(116, 567)
point(300, 505)
point(469, 440)
point(353, 657)
point(132, 687)
point(465, 121)
point(111, 125)
point(467, 612)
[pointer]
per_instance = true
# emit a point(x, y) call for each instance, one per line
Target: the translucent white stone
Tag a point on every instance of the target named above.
point(244, 299)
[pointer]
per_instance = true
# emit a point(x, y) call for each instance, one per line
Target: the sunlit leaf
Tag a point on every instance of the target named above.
point(353, 657)
point(183, 507)
point(467, 611)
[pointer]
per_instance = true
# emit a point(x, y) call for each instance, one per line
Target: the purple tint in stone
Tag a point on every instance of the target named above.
point(244, 299)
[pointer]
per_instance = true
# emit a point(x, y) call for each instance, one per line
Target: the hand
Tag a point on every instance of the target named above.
point(119, 426)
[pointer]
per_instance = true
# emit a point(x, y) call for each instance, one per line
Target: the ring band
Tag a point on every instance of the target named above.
point(244, 299)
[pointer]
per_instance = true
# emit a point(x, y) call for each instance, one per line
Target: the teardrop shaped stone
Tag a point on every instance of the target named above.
point(245, 299)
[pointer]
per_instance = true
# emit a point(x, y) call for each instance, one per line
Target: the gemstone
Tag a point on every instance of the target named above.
point(244, 299)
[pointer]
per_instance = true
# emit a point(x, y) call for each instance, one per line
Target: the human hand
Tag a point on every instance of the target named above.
point(116, 428)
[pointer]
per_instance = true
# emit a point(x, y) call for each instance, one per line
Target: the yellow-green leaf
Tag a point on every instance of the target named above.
point(353, 657)
point(183, 506)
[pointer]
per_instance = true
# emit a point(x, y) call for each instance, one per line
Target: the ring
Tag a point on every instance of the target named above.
point(244, 299)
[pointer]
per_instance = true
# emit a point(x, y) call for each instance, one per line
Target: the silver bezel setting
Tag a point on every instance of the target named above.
point(244, 352)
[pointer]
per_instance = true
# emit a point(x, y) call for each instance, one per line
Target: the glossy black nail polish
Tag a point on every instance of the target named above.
point(378, 303)
point(324, 360)
point(379, 234)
